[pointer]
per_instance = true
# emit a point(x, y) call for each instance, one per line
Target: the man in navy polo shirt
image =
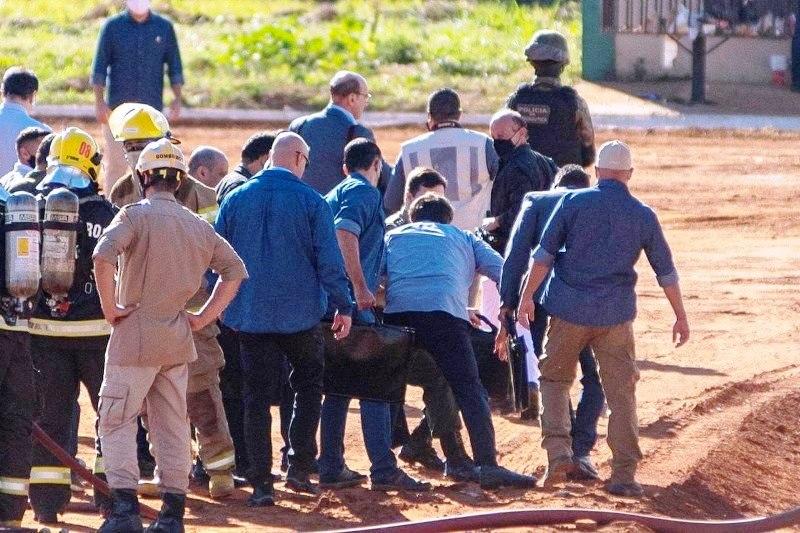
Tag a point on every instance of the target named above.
point(591, 300)
point(359, 220)
point(132, 50)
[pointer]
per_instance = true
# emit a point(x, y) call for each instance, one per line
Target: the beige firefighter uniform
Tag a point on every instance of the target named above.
point(206, 411)
point(165, 251)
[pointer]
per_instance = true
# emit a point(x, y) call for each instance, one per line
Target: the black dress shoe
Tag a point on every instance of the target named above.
point(300, 482)
point(495, 477)
point(263, 496)
point(462, 469)
point(346, 478)
point(424, 454)
point(400, 481)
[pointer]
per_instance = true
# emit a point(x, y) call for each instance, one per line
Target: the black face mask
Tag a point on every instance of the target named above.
point(32, 161)
point(503, 147)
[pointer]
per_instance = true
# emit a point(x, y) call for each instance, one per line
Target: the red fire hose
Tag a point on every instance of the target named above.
point(69, 461)
point(545, 517)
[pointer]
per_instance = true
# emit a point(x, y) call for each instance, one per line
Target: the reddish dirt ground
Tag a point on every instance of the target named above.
point(718, 416)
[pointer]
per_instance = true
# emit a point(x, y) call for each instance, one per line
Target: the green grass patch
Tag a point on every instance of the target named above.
point(274, 53)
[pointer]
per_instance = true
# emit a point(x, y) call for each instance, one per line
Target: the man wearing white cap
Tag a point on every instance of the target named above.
point(592, 242)
point(163, 250)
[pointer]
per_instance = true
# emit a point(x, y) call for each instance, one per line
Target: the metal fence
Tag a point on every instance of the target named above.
point(746, 18)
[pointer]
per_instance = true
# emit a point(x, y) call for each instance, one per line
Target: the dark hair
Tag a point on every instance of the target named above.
point(424, 177)
point(18, 81)
point(572, 176)
point(346, 86)
point(44, 149)
point(257, 146)
point(444, 104)
point(30, 134)
point(360, 153)
point(165, 179)
point(431, 208)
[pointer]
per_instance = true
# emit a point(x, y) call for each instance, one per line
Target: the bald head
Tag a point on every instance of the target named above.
point(208, 164)
point(505, 124)
point(291, 152)
point(349, 90)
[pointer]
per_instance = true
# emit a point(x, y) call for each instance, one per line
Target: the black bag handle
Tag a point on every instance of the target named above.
point(492, 327)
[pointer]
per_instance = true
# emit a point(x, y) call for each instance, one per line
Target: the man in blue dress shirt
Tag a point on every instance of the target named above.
point(537, 207)
point(19, 90)
point(359, 220)
point(592, 243)
point(283, 231)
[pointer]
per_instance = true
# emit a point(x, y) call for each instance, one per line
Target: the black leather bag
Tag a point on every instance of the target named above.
point(371, 363)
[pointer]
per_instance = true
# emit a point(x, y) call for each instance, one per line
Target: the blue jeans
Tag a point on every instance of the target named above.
point(376, 426)
point(590, 406)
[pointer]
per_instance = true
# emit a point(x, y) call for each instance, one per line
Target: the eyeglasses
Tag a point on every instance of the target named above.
point(365, 95)
point(308, 162)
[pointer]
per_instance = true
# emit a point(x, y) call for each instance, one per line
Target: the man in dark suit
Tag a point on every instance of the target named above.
point(328, 131)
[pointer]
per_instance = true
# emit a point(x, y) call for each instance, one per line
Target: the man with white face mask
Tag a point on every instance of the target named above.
point(18, 90)
point(132, 50)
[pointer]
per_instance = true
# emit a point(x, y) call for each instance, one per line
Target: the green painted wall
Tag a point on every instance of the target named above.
point(598, 45)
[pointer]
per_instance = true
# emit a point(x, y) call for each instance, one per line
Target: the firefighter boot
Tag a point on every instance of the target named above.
point(124, 517)
point(170, 518)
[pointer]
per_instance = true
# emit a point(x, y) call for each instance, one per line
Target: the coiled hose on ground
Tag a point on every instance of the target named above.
point(545, 517)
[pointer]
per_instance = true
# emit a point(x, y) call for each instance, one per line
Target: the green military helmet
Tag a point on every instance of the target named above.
point(548, 45)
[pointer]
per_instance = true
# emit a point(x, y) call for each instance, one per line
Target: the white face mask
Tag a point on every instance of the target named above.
point(132, 158)
point(138, 7)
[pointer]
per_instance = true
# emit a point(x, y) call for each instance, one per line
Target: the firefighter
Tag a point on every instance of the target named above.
point(136, 125)
point(68, 332)
point(162, 251)
point(19, 281)
point(559, 124)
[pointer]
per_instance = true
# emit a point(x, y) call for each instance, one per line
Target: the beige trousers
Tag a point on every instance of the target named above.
point(614, 349)
point(114, 163)
point(161, 391)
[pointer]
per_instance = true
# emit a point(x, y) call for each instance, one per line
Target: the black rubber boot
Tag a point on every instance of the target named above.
point(124, 517)
point(453, 446)
point(170, 518)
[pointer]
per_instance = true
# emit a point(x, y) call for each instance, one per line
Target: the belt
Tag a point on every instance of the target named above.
point(63, 328)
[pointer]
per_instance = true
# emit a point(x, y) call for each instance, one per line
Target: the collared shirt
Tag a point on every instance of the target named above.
point(130, 59)
point(283, 230)
point(234, 179)
point(13, 119)
point(356, 207)
point(430, 267)
point(327, 133)
point(466, 158)
point(19, 171)
point(164, 251)
point(536, 209)
point(603, 231)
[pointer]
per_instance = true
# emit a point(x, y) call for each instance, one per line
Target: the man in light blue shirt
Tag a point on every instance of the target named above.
point(27, 144)
point(429, 267)
point(591, 300)
point(19, 90)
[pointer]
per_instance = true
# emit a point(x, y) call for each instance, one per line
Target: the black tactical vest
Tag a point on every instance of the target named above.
point(551, 116)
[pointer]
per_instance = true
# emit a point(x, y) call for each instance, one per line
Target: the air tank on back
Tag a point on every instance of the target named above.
point(22, 246)
point(59, 238)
